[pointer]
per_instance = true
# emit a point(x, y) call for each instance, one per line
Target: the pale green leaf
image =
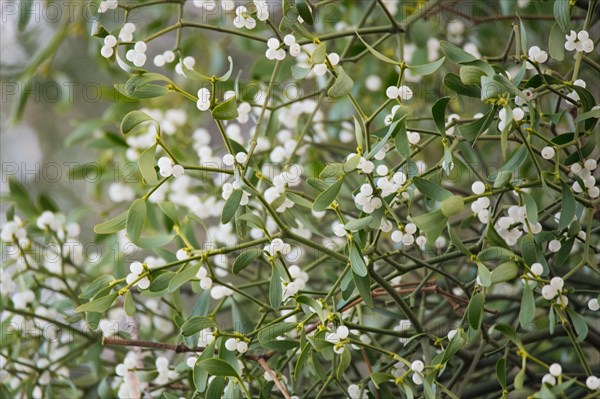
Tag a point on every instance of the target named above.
point(342, 85)
point(146, 164)
point(136, 218)
point(98, 305)
point(325, 199)
point(226, 110)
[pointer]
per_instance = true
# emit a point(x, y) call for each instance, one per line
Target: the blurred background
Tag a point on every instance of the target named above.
point(50, 81)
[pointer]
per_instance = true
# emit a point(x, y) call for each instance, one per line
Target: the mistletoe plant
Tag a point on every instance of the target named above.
point(371, 199)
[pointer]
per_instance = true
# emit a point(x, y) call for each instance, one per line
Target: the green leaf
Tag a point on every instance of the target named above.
point(472, 130)
point(578, 156)
point(429, 388)
point(99, 284)
point(47, 204)
point(319, 53)
point(254, 220)
point(161, 283)
point(439, 114)
point(513, 164)
point(426, 69)
point(485, 276)
point(358, 133)
point(579, 323)
point(139, 86)
point(457, 242)
point(495, 253)
point(393, 130)
point(10, 213)
point(508, 331)
point(456, 343)
point(432, 224)
point(333, 170)
point(527, 312)
point(587, 103)
point(129, 304)
point(146, 164)
point(556, 43)
point(523, 33)
point(471, 75)
point(245, 259)
point(363, 285)
point(453, 82)
point(134, 119)
point(344, 361)
point(452, 205)
point(349, 165)
point(200, 375)
point(136, 218)
point(592, 114)
point(529, 249)
point(531, 208)
point(155, 241)
point(98, 30)
point(502, 178)
point(456, 54)
point(183, 276)
point(310, 306)
point(507, 84)
point(299, 72)
point(302, 360)
point(25, 12)
point(491, 88)
point(501, 372)
point(562, 14)
point(227, 74)
point(111, 226)
point(196, 324)
point(358, 224)
point(218, 367)
point(376, 53)
point(505, 272)
point(193, 74)
point(20, 196)
point(275, 288)
point(357, 263)
point(216, 387)
point(98, 305)
point(305, 11)
point(170, 210)
point(317, 184)
point(226, 110)
point(430, 189)
point(567, 211)
point(475, 311)
point(519, 379)
point(325, 199)
point(563, 138)
point(271, 333)
point(401, 142)
point(231, 205)
point(343, 84)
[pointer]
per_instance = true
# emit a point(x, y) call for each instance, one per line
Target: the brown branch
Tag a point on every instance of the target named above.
point(265, 366)
point(177, 348)
point(139, 343)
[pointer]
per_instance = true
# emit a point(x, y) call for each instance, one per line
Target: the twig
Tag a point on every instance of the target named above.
point(150, 344)
point(265, 366)
point(177, 348)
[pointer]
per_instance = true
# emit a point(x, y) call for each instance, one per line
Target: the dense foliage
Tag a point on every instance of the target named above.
point(319, 199)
